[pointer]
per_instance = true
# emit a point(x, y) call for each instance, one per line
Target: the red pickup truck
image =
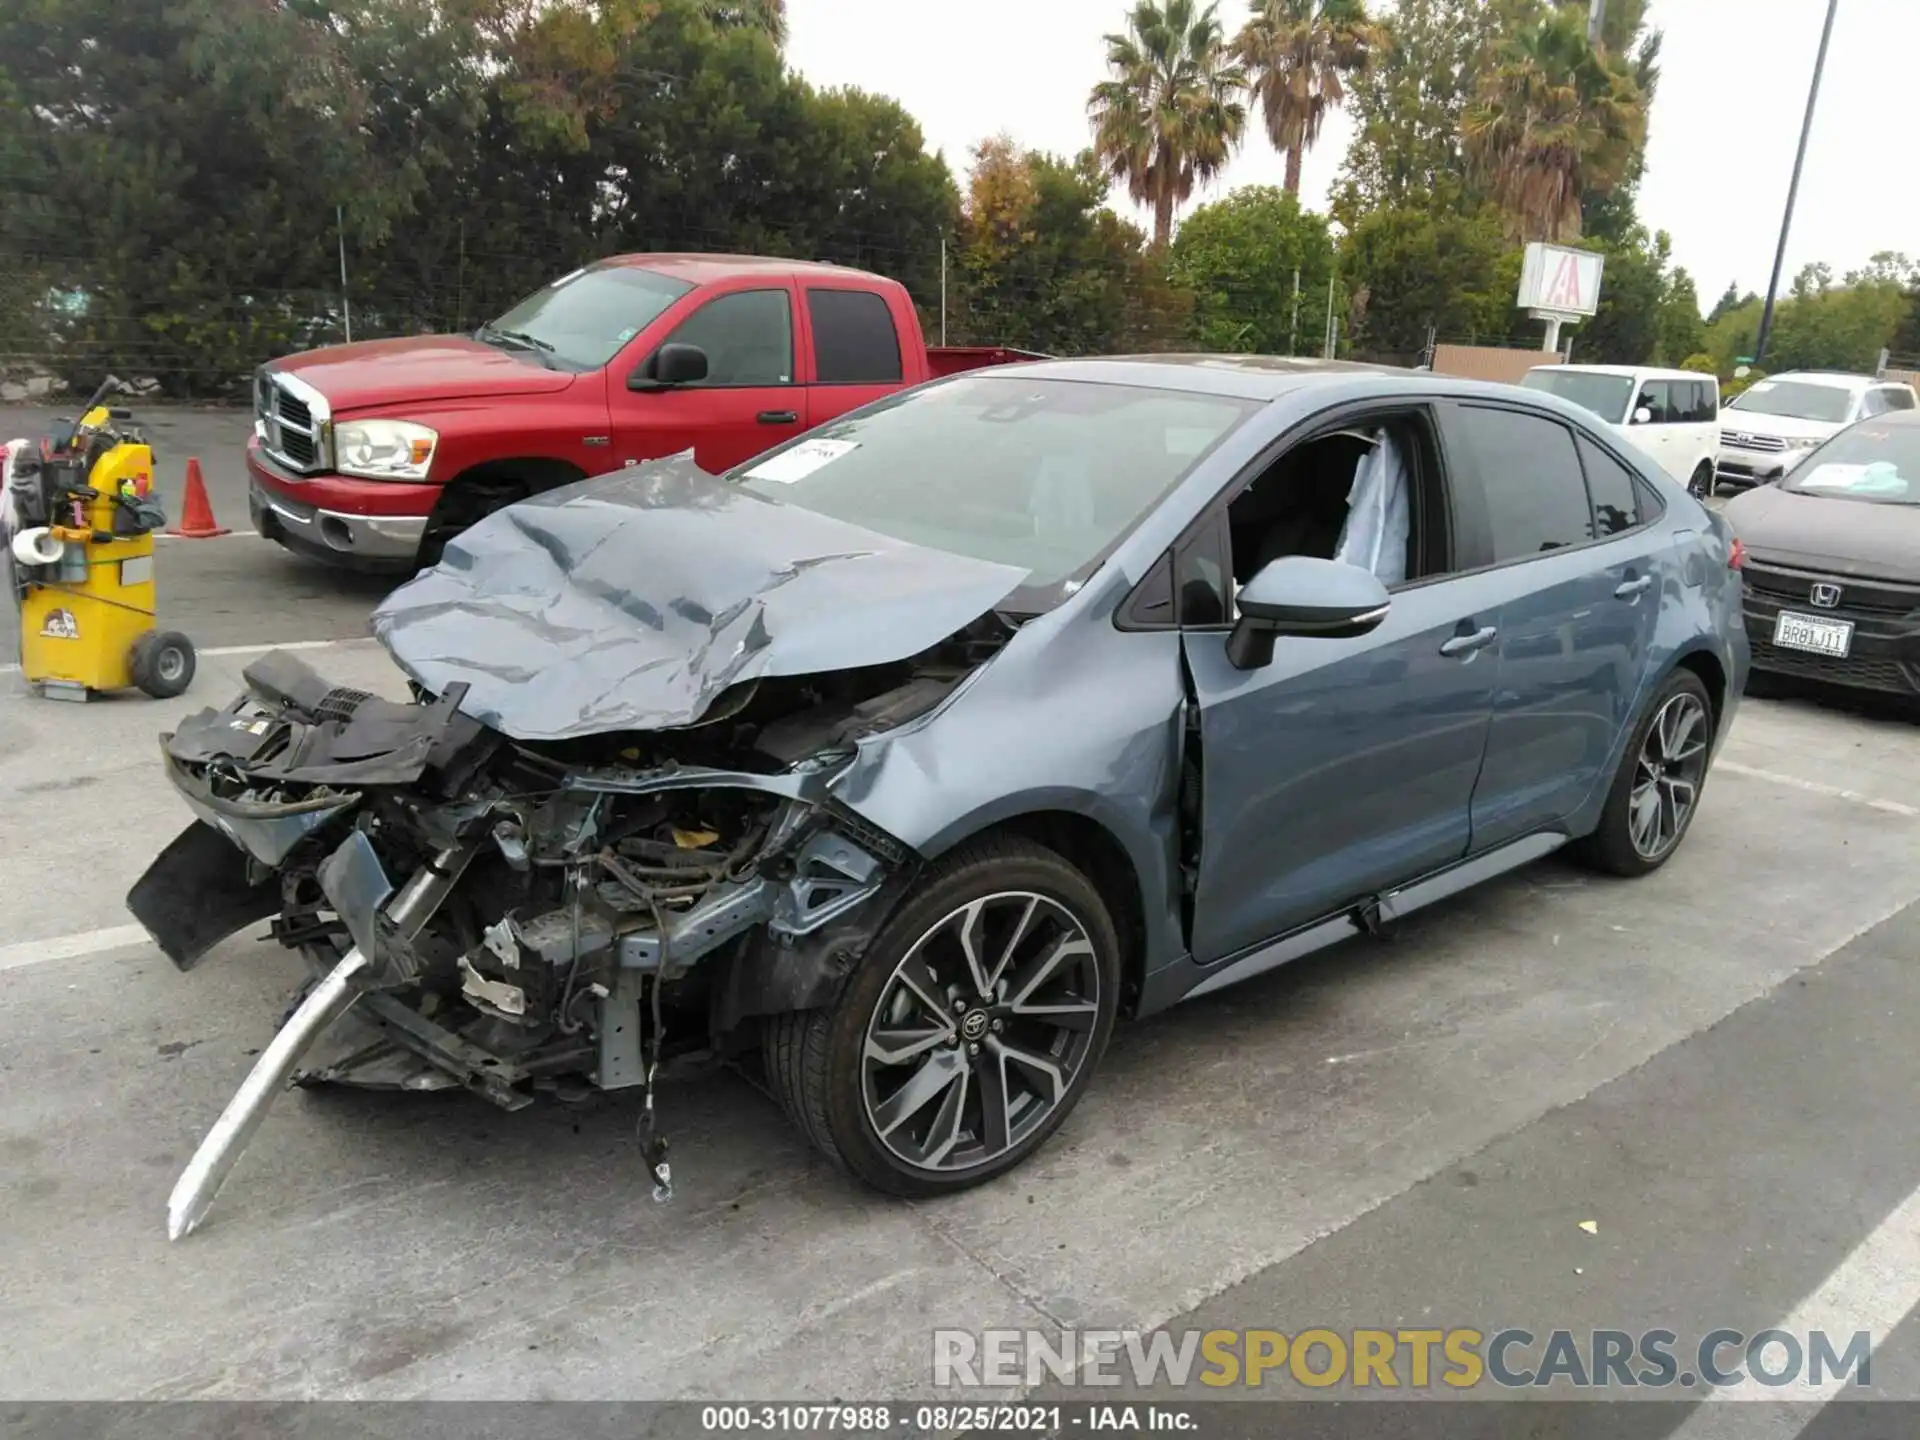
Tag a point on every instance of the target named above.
point(373, 455)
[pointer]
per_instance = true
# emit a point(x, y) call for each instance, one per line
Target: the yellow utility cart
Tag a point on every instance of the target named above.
point(81, 512)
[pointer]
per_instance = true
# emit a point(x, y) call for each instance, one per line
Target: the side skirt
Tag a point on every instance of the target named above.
point(1186, 979)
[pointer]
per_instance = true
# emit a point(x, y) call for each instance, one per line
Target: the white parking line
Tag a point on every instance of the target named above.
point(1874, 1289)
point(1814, 787)
point(217, 650)
point(23, 953)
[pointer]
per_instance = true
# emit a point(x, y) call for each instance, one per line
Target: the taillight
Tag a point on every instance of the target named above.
point(1736, 554)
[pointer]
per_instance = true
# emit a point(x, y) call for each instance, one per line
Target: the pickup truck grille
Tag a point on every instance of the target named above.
point(1741, 440)
point(290, 430)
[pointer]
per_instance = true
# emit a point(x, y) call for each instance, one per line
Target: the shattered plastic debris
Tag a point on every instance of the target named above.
point(1592, 1227)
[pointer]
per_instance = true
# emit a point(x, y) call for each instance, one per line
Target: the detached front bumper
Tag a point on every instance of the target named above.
point(367, 524)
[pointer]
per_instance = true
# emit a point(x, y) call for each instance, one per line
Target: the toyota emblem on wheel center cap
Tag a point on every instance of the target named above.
point(1824, 595)
point(974, 1026)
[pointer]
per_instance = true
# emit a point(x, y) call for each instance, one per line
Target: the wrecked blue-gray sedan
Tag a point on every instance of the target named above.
point(903, 760)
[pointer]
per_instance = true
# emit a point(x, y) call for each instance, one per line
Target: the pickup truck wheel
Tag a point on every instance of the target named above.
point(464, 503)
point(968, 1031)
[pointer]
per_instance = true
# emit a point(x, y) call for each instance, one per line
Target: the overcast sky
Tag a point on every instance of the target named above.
point(1732, 92)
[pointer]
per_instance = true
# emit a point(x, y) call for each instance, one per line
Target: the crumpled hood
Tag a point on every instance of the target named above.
point(1819, 532)
point(632, 601)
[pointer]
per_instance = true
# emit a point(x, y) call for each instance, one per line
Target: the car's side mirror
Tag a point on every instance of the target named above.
point(1305, 597)
point(670, 365)
point(1643, 416)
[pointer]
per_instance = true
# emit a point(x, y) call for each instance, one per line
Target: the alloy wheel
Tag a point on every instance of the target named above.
point(981, 1031)
point(1666, 781)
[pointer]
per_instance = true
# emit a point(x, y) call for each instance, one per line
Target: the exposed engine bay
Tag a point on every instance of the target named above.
point(520, 917)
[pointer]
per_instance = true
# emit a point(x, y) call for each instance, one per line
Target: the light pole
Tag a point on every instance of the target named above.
point(1793, 189)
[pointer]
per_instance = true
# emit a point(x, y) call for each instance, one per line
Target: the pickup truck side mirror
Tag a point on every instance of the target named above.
point(669, 366)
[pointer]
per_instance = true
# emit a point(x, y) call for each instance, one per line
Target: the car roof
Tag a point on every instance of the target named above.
point(1832, 379)
point(1656, 371)
point(700, 269)
point(1245, 377)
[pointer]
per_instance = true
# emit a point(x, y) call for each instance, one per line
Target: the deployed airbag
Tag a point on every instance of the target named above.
point(633, 601)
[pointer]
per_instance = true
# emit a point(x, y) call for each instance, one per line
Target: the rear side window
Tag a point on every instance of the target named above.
point(854, 340)
point(1616, 500)
point(1899, 399)
point(1656, 396)
point(1706, 403)
point(1529, 477)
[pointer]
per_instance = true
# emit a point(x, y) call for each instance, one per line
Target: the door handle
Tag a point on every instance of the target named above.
point(777, 417)
point(1467, 644)
point(1632, 589)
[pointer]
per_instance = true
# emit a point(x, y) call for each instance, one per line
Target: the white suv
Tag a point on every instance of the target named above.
point(1672, 416)
point(1765, 430)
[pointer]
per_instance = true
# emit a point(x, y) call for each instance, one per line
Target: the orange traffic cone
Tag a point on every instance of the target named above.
point(197, 523)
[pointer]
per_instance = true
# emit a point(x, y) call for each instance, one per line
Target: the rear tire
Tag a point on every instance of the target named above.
point(162, 664)
point(1656, 791)
point(931, 1074)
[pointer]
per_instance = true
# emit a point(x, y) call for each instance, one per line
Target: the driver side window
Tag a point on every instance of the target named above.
point(747, 337)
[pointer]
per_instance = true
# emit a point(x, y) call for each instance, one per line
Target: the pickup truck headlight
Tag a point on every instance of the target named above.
point(383, 449)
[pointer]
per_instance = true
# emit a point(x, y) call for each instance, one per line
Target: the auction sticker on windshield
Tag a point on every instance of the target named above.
point(801, 461)
point(1820, 637)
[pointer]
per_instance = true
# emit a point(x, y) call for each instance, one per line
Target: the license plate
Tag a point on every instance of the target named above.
point(1821, 637)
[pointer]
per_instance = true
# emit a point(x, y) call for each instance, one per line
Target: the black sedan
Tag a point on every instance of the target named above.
point(1832, 563)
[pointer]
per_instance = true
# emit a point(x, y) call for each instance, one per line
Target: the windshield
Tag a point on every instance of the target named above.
point(1868, 462)
point(1047, 475)
point(1796, 400)
point(1605, 395)
point(581, 320)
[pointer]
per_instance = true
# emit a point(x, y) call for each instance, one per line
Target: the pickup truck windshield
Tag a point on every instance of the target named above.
point(1605, 395)
point(1049, 475)
point(581, 320)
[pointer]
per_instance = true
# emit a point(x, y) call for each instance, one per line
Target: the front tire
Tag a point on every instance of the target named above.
point(1656, 791)
point(967, 1033)
point(1700, 485)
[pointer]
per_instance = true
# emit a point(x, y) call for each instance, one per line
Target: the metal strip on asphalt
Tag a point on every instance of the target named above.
point(1873, 1289)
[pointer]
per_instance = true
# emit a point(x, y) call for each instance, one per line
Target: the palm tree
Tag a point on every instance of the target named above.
point(1553, 121)
point(1171, 114)
point(1299, 55)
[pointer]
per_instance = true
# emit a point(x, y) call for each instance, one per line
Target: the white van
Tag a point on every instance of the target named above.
point(1770, 426)
point(1672, 416)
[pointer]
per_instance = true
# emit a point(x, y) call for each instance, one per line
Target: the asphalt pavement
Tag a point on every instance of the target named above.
point(1560, 1102)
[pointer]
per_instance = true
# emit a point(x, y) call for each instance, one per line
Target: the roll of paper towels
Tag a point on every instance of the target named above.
point(38, 547)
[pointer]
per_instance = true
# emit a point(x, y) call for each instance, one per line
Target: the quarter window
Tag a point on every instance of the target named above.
point(854, 341)
point(1529, 478)
point(1899, 400)
point(1616, 501)
point(748, 337)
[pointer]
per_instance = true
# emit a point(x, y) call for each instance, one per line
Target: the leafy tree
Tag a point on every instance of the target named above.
point(1730, 301)
point(1298, 56)
point(1421, 267)
point(1552, 121)
point(1044, 266)
point(1170, 113)
point(1682, 332)
point(1407, 105)
point(1249, 260)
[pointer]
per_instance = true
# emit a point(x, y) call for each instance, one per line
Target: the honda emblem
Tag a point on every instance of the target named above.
point(1824, 595)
